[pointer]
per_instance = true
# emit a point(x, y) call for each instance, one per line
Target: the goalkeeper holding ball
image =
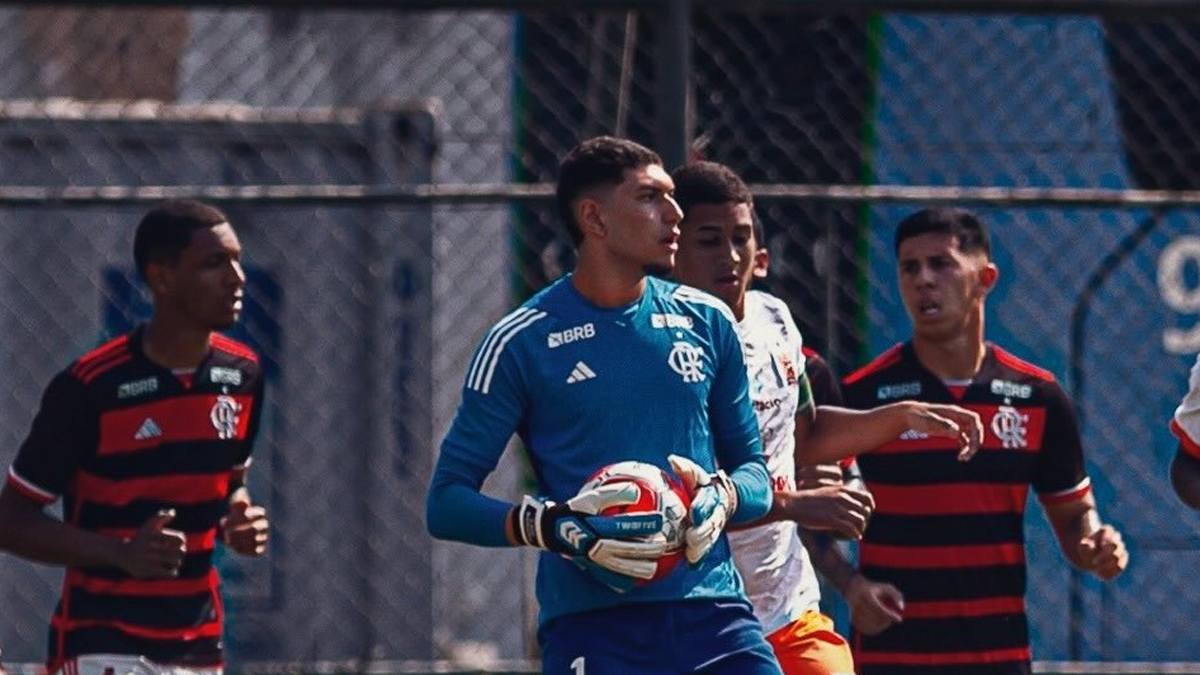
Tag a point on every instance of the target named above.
point(608, 364)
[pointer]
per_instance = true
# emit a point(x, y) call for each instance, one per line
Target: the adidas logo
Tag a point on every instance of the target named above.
point(148, 430)
point(580, 373)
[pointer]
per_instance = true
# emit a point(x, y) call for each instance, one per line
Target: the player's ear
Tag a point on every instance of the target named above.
point(589, 213)
point(988, 276)
point(762, 263)
point(160, 278)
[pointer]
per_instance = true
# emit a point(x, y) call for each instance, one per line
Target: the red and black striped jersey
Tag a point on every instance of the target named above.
point(950, 534)
point(118, 438)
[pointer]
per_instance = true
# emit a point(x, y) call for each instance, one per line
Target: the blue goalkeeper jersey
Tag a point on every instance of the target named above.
point(584, 387)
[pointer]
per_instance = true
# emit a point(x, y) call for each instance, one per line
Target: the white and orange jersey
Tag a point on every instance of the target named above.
point(774, 564)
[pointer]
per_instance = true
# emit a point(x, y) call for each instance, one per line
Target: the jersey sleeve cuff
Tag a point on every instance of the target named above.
point(29, 489)
point(1185, 441)
point(1079, 491)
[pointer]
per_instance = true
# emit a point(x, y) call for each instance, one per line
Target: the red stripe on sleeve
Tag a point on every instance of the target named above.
point(1189, 446)
point(148, 587)
point(934, 557)
point(950, 609)
point(30, 490)
point(174, 488)
point(1067, 496)
point(943, 658)
point(950, 498)
point(176, 419)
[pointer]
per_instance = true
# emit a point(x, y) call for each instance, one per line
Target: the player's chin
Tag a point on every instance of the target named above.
point(659, 268)
point(225, 320)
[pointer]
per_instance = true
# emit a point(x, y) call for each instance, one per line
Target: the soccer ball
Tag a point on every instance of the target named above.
point(660, 492)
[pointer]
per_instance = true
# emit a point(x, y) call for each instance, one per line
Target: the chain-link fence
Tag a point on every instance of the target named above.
point(367, 309)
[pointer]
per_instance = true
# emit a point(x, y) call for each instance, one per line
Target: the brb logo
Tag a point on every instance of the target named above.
point(687, 360)
point(562, 337)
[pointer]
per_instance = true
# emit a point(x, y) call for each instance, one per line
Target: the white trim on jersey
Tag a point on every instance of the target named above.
point(689, 294)
point(480, 376)
point(24, 483)
point(1080, 487)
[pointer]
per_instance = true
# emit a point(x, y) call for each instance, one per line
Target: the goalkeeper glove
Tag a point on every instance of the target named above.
point(714, 499)
point(576, 531)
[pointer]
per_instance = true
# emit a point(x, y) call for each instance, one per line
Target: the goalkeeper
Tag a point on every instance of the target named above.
point(611, 363)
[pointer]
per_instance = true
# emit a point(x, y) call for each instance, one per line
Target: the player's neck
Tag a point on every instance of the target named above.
point(607, 285)
point(174, 344)
point(957, 357)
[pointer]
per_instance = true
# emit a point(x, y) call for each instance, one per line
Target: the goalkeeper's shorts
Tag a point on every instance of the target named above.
point(810, 646)
point(652, 638)
point(125, 664)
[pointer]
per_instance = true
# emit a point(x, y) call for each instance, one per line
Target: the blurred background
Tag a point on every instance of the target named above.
point(389, 166)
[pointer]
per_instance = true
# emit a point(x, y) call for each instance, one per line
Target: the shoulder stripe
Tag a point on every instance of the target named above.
point(888, 358)
point(87, 375)
point(688, 294)
point(104, 349)
point(489, 340)
point(102, 353)
point(1021, 365)
point(487, 382)
point(228, 344)
point(480, 376)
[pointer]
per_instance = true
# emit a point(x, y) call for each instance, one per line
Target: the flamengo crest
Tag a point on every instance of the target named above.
point(1009, 426)
point(224, 416)
point(687, 360)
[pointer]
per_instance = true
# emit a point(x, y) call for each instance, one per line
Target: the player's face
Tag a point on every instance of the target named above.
point(208, 281)
point(640, 220)
point(718, 252)
point(942, 287)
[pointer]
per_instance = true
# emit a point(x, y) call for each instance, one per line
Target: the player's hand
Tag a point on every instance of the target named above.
point(832, 507)
point(714, 499)
point(154, 551)
point(874, 606)
point(1103, 553)
point(245, 528)
point(575, 530)
point(947, 421)
point(818, 475)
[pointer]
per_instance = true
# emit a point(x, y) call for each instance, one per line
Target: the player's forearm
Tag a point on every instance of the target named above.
point(838, 433)
point(458, 513)
point(1185, 478)
point(31, 534)
point(753, 485)
point(1071, 523)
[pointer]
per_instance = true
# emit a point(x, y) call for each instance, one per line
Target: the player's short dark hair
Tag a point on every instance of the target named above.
point(600, 161)
point(712, 183)
point(966, 226)
point(167, 229)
